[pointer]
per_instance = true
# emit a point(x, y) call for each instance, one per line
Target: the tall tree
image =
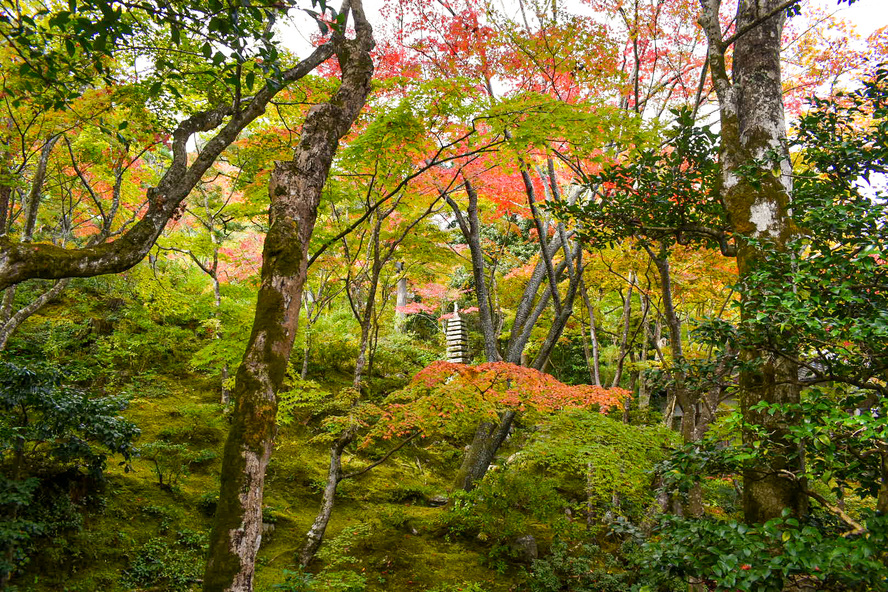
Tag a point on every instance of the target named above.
point(756, 188)
point(295, 193)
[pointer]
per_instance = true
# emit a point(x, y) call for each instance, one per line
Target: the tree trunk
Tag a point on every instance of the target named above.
point(401, 298)
point(470, 226)
point(525, 313)
point(752, 128)
point(624, 339)
point(882, 502)
point(306, 351)
point(593, 337)
point(366, 321)
point(562, 316)
point(644, 395)
point(316, 533)
point(487, 441)
point(295, 192)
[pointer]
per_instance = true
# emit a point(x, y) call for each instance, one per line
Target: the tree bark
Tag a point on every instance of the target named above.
point(470, 226)
point(562, 316)
point(400, 298)
point(644, 395)
point(487, 441)
point(624, 339)
point(593, 336)
point(752, 127)
point(295, 192)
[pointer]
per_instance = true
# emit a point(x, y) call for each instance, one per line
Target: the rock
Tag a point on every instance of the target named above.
point(436, 501)
point(525, 548)
point(267, 528)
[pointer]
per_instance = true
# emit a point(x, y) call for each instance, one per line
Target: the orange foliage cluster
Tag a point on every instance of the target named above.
point(518, 386)
point(449, 398)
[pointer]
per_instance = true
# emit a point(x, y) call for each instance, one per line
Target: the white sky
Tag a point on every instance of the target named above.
point(867, 16)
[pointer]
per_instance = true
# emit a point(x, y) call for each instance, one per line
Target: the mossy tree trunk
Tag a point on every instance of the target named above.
point(752, 130)
point(295, 192)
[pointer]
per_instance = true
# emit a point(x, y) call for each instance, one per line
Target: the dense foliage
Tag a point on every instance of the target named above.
point(677, 332)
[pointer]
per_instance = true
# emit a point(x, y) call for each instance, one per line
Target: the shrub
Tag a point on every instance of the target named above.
point(207, 503)
point(295, 581)
point(168, 566)
point(503, 506)
point(600, 459)
point(43, 418)
point(171, 462)
point(64, 431)
point(578, 571)
point(16, 532)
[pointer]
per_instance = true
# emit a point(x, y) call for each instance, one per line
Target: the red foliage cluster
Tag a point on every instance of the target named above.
point(510, 385)
point(450, 398)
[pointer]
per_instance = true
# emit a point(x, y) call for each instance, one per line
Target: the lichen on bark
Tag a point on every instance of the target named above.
point(756, 195)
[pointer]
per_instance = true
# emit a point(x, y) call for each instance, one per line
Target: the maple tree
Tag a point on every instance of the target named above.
point(442, 400)
point(446, 398)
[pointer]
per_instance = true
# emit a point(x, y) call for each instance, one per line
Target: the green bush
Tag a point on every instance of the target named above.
point(207, 503)
point(296, 581)
point(16, 532)
point(577, 570)
point(42, 420)
point(50, 436)
point(398, 354)
point(334, 341)
point(598, 459)
point(503, 506)
point(767, 557)
point(168, 565)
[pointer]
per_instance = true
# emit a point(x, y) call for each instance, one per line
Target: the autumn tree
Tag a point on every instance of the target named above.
point(67, 54)
point(444, 400)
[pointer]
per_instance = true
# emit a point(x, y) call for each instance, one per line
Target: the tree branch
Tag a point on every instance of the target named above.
point(382, 460)
point(752, 25)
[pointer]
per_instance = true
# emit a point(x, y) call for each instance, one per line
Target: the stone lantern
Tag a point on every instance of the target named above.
point(457, 339)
